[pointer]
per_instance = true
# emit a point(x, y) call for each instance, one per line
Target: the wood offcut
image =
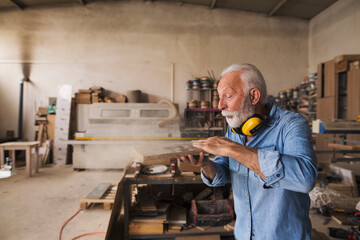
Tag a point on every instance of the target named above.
point(103, 194)
point(153, 153)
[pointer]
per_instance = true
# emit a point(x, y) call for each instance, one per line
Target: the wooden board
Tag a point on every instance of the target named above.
point(326, 108)
point(321, 76)
point(151, 153)
point(161, 218)
point(330, 80)
point(186, 167)
point(99, 191)
point(146, 228)
point(346, 147)
point(353, 94)
point(51, 126)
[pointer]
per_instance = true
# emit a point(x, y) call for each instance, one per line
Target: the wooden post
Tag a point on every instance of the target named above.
point(37, 159)
point(28, 160)
point(2, 160)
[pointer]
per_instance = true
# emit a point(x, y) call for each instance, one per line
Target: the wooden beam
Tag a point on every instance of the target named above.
point(213, 4)
point(278, 5)
point(19, 4)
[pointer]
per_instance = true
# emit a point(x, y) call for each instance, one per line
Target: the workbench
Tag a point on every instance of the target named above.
point(27, 147)
point(119, 225)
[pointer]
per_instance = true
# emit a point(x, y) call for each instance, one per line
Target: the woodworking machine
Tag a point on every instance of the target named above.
point(106, 131)
point(109, 121)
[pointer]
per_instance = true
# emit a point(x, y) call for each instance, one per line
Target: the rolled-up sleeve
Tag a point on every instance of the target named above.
point(295, 168)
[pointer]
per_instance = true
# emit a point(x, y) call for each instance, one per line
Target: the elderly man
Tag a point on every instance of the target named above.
point(268, 156)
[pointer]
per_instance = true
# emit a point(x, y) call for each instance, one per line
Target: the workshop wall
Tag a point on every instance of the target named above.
point(334, 32)
point(124, 46)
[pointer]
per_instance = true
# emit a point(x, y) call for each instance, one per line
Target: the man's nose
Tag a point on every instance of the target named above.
point(221, 104)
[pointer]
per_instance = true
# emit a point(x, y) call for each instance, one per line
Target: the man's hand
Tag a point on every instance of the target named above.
point(217, 146)
point(199, 161)
point(221, 146)
point(202, 161)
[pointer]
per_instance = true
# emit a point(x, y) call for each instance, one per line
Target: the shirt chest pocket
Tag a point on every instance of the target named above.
point(269, 148)
point(234, 165)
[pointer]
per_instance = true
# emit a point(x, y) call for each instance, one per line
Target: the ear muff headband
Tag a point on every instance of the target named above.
point(250, 127)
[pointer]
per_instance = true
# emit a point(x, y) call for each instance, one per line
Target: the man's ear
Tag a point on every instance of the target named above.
point(255, 96)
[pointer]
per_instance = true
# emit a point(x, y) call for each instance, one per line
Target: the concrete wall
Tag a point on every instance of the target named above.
point(135, 45)
point(333, 32)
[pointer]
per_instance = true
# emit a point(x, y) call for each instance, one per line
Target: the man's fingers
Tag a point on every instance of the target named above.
point(192, 159)
point(185, 159)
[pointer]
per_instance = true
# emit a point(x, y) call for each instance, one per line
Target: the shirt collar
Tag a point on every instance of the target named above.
point(273, 116)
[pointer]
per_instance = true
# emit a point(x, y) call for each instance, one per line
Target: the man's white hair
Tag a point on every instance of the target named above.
point(251, 77)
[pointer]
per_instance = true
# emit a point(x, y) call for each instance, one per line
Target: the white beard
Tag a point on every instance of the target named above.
point(239, 117)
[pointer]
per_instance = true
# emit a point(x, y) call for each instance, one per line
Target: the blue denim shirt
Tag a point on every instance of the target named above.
point(278, 207)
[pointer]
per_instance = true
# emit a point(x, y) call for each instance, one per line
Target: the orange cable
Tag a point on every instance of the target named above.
point(62, 227)
point(86, 234)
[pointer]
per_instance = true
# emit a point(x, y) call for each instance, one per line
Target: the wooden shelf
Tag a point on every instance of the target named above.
point(190, 232)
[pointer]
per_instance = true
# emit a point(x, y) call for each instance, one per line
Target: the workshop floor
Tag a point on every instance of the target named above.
point(35, 208)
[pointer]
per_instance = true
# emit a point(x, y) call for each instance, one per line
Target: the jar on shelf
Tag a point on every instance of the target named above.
point(196, 84)
point(204, 104)
point(188, 84)
point(295, 93)
point(192, 104)
point(289, 93)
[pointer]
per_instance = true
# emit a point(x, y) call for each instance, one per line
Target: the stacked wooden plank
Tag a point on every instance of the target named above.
point(104, 194)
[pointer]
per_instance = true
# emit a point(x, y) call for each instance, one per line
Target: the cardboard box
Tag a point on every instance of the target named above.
point(354, 65)
point(352, 57)
point(51, 126)
point(85, 91)
point(342, 66)
point(83, 97)
point(95, 98)
point(42, 111)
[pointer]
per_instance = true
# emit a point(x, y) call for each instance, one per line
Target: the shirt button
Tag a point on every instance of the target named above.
point(278, 175)
point(248, 213)
point(246, 193)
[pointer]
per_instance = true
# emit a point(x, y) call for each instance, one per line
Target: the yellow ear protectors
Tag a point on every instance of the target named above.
point(250, 127)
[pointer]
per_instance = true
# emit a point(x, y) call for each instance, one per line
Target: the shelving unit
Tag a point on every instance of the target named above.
point(307, 98)
point(202, 122)
point(301, 99)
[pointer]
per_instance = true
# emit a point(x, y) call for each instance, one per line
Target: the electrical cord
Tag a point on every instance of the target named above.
point(86, 234)
point(63, 226)
point(82, 235)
